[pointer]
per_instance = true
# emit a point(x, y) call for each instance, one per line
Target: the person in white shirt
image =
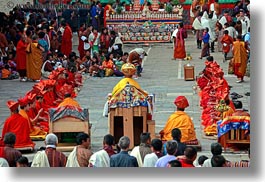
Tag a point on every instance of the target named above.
point(150, 159)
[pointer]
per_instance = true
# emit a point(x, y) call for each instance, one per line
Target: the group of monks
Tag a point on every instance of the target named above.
point(30, 114)
point(214, 96)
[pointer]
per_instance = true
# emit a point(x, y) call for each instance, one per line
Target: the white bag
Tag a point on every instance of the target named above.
point(86, 46)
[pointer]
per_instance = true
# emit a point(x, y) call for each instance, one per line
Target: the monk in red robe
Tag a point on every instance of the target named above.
point(80, 48)
point(18, 125)
point(66, 47)
point(179, 43)
point(21, 58)
point(227, 41)
point(35, 115)
point(24, 107)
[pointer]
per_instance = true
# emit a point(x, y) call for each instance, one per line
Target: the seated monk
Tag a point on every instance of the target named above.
point(24, 108)
point(128, 69)
point(239, 109)
point(18, 125)
point(181, 120)
point(35, 114)
point(69, 101)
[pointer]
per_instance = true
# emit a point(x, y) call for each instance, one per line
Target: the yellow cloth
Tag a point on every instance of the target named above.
point(122, 83)
point(34, 130)
point(69, 102)
point(229, 112)
point(181, 120)
point(34, 61)
point(240, 57)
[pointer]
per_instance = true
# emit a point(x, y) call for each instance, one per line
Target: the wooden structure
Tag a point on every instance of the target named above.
point(235, 138)
point(130, 122)
point(189, 74)
point(233, 132)
point(68, 125)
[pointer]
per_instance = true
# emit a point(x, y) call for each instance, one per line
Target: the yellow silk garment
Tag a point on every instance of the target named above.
point(122, 83)
point(181, 120)
point(34, 130)
point(69, 102)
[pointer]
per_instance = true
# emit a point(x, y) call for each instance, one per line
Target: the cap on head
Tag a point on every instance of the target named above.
point(181, 102)
point(12, 105)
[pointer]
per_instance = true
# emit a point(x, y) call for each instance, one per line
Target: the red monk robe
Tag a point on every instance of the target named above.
point(19, 126)
point(21, 57)
point(33, 113)
point(66, 47)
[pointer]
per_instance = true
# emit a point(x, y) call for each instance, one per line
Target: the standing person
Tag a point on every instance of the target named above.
point(199, 30)
point(226, 18)
point(206, 46)
point(215, 8)
point(240, 58)
point(80, 41)
point(172, 147)
point(123, 159)
point(18, 125)
point(3, 42)
point(21, 58)
point(101, 158)
point(94, 40)
point(150, 159)
point(49, 157)
point(227, 42)
point(116, 44)
point(194, 10)
point(245, 22)
point(66, 47)
point(80, 156)
point(143, 149)
point(34, 59)
point(181, 120)
point(179, 46)
point(219, 34)
point(8, 151)
point(104, 40)
point(94, 15)
point(212, 24)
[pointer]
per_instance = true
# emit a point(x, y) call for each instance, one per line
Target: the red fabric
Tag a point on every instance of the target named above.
point(181, 102)
point(81, 44)
point(23, 101)
point(104, 41)
point(2, 151)
point(12, 105)
point(184, 164)
point(20, 127)
point(21, 57)
point(66, 47)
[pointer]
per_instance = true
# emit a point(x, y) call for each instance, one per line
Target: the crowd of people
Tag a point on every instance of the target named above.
point(149, 153)
point(39, 49)
point(32, 34)
point(230, 30)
